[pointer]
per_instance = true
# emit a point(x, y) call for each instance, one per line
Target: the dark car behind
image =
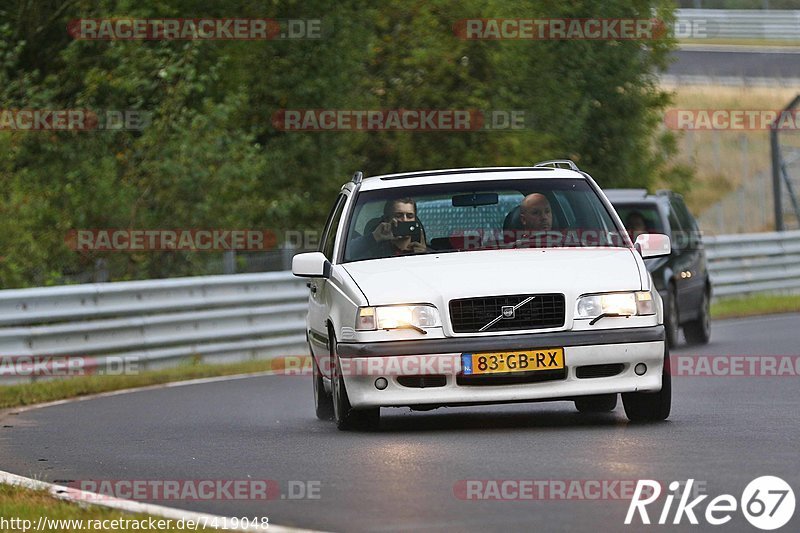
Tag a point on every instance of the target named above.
point(681, 278)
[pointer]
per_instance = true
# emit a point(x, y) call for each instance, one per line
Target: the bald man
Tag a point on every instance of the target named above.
point(535, 213)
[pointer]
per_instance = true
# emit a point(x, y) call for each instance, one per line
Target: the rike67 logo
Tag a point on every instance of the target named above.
point(767, 503)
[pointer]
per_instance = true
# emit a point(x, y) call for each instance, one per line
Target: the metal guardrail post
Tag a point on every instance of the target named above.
point(779, 168)
point(229, 262)
point(776, 179)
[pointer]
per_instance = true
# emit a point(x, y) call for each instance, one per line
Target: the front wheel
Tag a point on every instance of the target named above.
point(651, 406)
point(323, 402)
point(698, 331)
point(671, 320)
point(345, 416)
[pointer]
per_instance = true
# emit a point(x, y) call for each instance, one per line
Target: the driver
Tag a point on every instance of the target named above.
point(535, 213)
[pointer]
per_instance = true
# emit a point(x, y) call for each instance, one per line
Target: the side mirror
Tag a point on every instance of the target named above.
point(311, 265)
point(653, 245)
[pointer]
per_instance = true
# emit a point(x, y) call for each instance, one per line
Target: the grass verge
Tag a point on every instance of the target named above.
point(51, 390)
point(762, 304)
point(22, 509)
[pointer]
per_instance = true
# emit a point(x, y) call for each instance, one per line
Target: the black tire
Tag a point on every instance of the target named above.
point(698, 331)
point(323, 402)
point(651, 406)
point(601, 403)
point(345, 416)
point(671, 318)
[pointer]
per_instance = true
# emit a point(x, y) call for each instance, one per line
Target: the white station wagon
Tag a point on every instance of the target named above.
point(479, 286)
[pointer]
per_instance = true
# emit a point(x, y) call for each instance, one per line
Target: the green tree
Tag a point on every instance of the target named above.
point(211, 156)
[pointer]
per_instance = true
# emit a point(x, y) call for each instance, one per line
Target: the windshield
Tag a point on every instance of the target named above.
point(464, 217)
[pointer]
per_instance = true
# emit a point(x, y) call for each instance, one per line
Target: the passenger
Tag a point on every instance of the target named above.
point(635, 224)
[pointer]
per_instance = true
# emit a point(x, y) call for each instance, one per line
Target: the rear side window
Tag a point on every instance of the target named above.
point(690, 235)
point(686, 219)
point(674, 222)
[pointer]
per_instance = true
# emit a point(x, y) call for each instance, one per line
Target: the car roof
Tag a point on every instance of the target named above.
point(628, 194)
point(640, 195)
point(458, 175)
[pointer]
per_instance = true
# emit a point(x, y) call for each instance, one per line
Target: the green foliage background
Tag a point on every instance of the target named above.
point(211, 158)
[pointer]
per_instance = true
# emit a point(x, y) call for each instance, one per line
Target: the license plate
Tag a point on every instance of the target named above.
point(517, 361)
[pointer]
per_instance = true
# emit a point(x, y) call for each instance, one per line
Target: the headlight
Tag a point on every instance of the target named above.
point(397, 317)
point(617, 303)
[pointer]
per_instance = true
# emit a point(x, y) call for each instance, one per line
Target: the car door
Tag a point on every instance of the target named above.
point(694, 280)
point(318, 311)
point(682, 265)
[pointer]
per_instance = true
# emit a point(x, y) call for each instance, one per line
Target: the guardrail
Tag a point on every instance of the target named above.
point(249, 316)
point(768, 24)
point(155, 322)
point(754, 262)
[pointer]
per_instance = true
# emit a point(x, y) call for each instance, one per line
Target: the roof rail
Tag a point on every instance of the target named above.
point(556, 162)
point(357, 177)
point(628, 193)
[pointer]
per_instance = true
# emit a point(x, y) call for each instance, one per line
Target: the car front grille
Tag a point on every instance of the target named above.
point(469, 315)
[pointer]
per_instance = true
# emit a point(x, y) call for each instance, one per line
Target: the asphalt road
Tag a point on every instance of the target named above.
point(740, 64)
point(724, 432)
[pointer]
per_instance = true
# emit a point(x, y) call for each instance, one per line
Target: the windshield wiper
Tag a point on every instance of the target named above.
point(604, 315)
point(406, 325)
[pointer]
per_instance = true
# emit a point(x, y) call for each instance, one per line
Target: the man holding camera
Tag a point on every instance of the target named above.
point(398, 233)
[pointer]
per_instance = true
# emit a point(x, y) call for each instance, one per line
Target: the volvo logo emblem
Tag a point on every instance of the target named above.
point(506, 311)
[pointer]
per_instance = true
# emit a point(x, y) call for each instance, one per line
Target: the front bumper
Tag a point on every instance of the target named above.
point(623, 347)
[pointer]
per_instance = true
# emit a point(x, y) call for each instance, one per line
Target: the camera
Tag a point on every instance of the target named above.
point(405, 229)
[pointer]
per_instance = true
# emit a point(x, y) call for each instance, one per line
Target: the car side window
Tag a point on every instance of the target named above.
point(676, 228)
point(691, 231)
point(329, 235)
point(683, 214)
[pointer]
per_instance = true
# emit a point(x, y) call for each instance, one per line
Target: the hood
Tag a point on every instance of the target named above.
point(438, 278)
